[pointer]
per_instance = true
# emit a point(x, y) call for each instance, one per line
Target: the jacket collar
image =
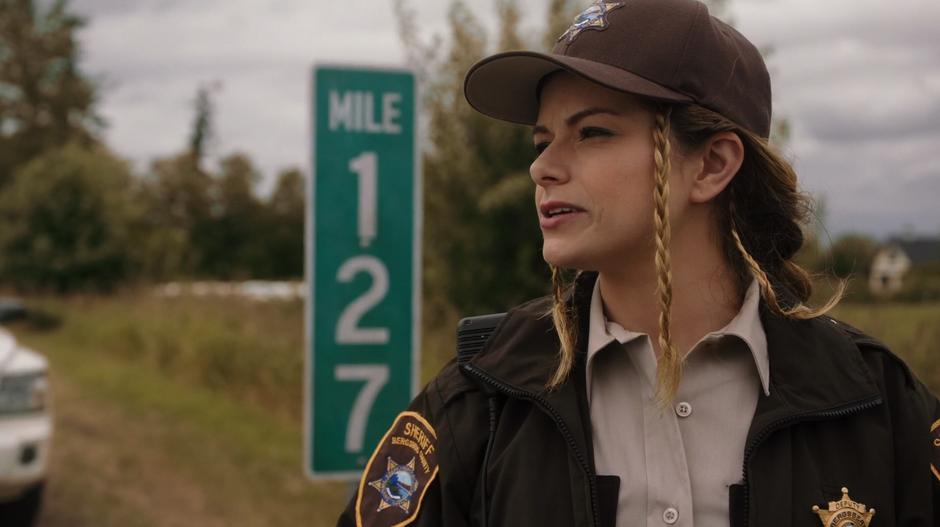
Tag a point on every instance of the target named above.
point(815, 366)
point(522, 353)
point(523, 350)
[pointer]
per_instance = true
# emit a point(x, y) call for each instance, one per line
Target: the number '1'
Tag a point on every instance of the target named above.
point(366, 166)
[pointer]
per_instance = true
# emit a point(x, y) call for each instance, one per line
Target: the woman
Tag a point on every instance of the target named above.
point(682, 379)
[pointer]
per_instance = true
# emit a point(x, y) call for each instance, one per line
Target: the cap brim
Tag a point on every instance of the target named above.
point(505, 85)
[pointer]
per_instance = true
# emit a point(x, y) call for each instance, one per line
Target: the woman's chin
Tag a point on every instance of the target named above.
point(558, 256)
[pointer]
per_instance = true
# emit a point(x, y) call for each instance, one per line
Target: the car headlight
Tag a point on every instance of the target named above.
point(23, 393)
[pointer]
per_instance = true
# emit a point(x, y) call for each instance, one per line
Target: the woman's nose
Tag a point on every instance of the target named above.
point(549, 168)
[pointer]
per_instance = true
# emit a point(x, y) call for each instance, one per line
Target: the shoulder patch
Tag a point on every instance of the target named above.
point(398, 473)
point(935, 448)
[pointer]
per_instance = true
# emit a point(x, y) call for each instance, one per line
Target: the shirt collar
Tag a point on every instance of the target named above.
point(746, 325)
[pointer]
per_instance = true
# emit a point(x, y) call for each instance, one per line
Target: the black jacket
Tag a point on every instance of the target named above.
point(843, 411)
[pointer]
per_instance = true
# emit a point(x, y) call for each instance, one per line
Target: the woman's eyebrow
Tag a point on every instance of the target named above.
point(575, 117)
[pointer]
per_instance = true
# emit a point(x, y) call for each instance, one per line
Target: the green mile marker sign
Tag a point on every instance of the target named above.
point(363, 265)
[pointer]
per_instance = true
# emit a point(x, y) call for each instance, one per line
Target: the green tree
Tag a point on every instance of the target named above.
point(478, 196)
point(812, 254)
point(233, 246)
point(175, 195)
point(284, 233)
point(45, 100)
point(210, 223)
point(67, 222)
point(201, 133)
point(852, 254)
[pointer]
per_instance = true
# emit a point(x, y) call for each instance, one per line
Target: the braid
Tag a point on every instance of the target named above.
point(564, 326)
point(799, 310)
point(669, 367)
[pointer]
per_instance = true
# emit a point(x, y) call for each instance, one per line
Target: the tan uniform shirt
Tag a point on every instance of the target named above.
point(675, 466)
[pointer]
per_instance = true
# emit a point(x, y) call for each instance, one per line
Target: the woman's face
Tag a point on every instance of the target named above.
point(594, 174)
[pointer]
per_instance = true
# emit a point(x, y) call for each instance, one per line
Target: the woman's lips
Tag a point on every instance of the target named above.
point(550, 222)
point(555, 213)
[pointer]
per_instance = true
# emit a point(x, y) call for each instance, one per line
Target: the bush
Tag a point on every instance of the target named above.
point(852, 254)
point(66, 222)
point(921, 284)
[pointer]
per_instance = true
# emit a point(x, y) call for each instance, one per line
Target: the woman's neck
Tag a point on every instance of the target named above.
point(705, 292)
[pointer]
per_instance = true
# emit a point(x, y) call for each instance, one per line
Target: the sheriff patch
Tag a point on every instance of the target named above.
point(935, 448)
point(398, 473)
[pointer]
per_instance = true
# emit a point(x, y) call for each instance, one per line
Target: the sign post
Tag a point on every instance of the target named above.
point(363, 264)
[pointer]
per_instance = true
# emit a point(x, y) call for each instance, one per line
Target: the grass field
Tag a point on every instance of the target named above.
point(177, 412)
point(187, 411)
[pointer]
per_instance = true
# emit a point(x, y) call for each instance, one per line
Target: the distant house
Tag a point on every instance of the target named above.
point(896, 258)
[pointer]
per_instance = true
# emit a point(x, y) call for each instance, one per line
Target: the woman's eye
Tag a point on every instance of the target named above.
point(591, 131)
point(540, 147)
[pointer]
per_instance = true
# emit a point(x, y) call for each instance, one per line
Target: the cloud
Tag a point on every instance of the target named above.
point(794, 23)
point(860, 83)
point(858, 79)
point(151, 57)
point(879, 186)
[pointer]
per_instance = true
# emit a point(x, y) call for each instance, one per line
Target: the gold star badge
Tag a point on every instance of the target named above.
point(844, 513)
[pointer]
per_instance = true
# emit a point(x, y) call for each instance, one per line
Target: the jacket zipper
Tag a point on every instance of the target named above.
point(789, 421)
point(547, 408)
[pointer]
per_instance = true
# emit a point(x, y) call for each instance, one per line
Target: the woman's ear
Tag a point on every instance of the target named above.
point(719, 160)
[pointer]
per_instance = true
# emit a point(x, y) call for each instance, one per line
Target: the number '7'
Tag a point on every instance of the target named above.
point(375, 375)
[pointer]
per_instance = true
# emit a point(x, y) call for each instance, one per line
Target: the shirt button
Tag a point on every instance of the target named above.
point(683, 409)
point(670, 516)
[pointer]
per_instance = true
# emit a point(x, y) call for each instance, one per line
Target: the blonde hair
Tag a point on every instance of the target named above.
point(563, 316)
point(766, 223)
point(669, 368)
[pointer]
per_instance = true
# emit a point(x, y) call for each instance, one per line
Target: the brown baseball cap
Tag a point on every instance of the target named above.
point(668, 50)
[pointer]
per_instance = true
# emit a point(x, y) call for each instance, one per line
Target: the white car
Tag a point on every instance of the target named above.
point(25, 431)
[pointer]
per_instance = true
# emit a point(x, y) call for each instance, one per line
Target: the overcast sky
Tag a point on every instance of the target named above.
point(858, 79)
